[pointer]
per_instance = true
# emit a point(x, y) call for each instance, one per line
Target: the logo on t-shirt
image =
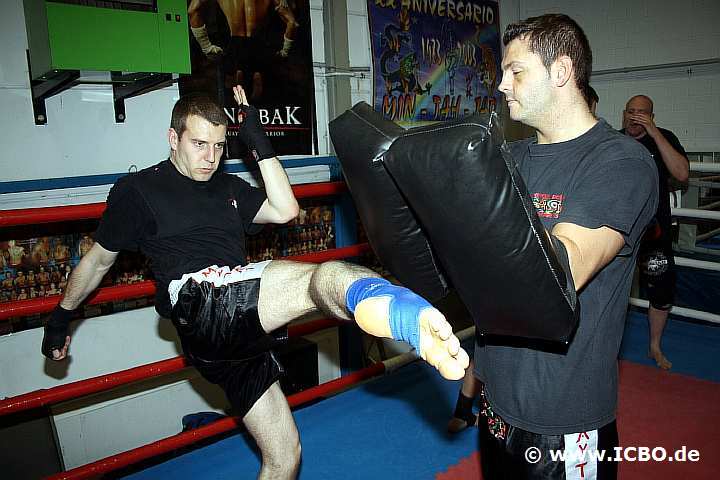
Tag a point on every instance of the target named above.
point(233, 202)
point(548, 205)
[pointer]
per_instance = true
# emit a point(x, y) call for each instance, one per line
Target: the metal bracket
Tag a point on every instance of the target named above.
point(127, 85)
point(46, 86)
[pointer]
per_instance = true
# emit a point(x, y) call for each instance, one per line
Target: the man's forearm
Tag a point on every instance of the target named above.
point(281, 205)
point(588, 250)
point(676, 163)
point(279, 192)
point(85, 278)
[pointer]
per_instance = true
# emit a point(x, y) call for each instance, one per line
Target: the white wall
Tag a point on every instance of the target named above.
point(623, 34)
point(359, 45)
point(638, 33)
point(360, 53)
point(100, 346)
point(81, 136)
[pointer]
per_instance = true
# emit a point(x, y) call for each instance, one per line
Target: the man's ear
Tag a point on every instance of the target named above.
point(173, 139)
point(561, 71)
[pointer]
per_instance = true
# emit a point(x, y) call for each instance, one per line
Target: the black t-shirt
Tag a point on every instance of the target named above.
point(663, 216)
point(601, 178)
point(180, 224)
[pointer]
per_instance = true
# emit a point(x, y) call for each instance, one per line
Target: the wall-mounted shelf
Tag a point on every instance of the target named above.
point(708, 66)
point(125, 85)
point(117, 39)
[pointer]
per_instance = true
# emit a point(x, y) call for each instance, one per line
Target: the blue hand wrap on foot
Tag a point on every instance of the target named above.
point(405, 306)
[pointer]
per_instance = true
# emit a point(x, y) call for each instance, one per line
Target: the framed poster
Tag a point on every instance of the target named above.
point(265, 46)
point(434, 60)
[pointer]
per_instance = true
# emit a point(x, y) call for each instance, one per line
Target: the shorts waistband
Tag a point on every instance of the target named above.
point(218, 276)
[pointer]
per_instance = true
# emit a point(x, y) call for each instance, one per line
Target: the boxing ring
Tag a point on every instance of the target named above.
point(103, 383)
point(690, 256)
point(391, 427)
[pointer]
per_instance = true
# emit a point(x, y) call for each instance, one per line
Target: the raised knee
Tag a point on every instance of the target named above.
point(325, 274)
point(329, 267)
point(338, 273)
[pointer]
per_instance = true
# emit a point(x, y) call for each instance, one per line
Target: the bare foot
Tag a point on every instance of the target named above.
point(660, 360)
point(438, 345)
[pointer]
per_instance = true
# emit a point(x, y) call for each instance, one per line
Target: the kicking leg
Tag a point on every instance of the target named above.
point(271, 424)
point(289, 290)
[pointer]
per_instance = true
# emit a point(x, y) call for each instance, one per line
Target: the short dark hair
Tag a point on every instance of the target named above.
point(552, 36)
point(200, 105)
point(592, 96)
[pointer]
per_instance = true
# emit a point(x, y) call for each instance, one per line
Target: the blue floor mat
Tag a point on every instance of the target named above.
point(405, 412)
point(394, 427)
point(693, 348)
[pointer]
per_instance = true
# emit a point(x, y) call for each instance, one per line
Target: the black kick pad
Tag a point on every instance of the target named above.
point(462, 187)
point(361, 138)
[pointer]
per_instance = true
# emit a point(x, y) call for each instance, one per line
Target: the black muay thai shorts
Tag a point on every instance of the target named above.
point(511, 453)
point(215, 312)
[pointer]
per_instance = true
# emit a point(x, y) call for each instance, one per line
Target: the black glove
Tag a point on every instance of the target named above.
point(253, 135)
point(57, 328)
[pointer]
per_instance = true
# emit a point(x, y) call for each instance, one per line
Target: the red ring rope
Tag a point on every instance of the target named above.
point(49, 396)
point(32, 216)
point(105, 382)
point(22, 308)
point(183, 439)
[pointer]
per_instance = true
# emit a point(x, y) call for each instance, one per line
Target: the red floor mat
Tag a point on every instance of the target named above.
point(661, 409)
point(656, 410)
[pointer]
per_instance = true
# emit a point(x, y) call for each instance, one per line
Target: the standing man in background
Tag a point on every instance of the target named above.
point(656, 259)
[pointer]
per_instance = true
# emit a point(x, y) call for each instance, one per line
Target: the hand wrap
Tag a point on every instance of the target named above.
point(57, 329)
point(253, 135)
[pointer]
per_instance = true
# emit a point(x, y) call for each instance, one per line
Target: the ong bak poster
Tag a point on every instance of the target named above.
point(265, 46)
point(434, 60)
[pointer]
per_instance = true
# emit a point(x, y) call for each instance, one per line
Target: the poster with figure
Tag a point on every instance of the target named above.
point(434, 60)
point(265, 46)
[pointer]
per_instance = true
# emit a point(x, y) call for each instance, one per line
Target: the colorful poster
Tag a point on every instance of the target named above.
point(434, 59)
point(264, 45)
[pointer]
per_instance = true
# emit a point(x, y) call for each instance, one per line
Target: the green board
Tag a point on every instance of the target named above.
point(75, 37)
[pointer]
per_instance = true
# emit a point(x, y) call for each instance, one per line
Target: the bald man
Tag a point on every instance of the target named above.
point(656, 260)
